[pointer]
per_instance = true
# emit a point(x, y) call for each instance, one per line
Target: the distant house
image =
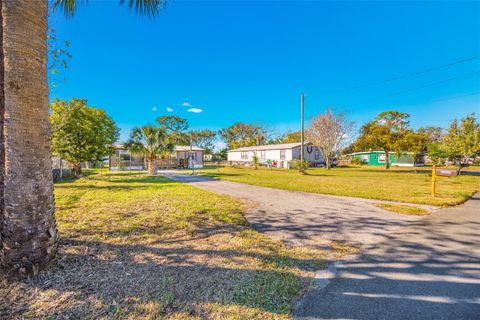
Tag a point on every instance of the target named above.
point(276, 155)
point(123, 159)
point(377, 158)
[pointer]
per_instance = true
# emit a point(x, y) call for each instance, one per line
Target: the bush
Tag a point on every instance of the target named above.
point(299, 165)
point(357, 161)
point(255, 162)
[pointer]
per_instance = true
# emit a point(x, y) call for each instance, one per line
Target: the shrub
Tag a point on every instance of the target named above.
point(357, 161)
point(255, 162)
point(299, 165)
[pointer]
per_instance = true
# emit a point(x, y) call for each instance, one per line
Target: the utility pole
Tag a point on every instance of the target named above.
point(302, 156)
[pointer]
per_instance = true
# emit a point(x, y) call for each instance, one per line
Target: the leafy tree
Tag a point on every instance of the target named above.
point(244, 135)
point(437, 153)
point(150, 141)
point(293, 137)
point(176, 128)
point(462, 141)
point(434, 134)
point(290, 137)
point(432, 138)
point(386, 132)
point(222, 154)
point(411, 141)
point(328, 132)
point(277, 140)
point(204, 139)
point(81, 133)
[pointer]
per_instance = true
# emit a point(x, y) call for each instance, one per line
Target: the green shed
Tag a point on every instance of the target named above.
point(377, 158)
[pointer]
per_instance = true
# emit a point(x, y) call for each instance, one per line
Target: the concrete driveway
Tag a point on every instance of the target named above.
point(306, 219)
point(428, 270)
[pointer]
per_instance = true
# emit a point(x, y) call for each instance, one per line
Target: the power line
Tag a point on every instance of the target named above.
point(375, 83)
point(435, 83)
point(458, 97)
point(428, 85)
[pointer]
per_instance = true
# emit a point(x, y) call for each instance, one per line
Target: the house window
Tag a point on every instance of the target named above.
point(262, 154)
point(365, 158)
point(193, 156)
point(282, 154)
point(317, 154)
point(244, 155)
point(381, 158)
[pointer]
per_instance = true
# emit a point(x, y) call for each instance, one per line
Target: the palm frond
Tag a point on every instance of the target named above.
point(67, 6)
point(149, 141)
point(149, 8)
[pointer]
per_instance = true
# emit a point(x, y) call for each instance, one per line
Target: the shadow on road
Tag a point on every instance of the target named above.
point(430, 270)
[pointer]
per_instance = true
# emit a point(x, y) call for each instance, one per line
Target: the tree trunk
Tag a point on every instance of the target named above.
point(152, 167)
point(77, 170)
point(27, 226)
point(387, 160)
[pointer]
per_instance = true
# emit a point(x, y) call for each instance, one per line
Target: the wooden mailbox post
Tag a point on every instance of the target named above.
point(441, 173)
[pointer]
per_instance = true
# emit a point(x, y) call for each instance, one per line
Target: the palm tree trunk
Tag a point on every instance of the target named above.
point(27, 227)
point(152, 167)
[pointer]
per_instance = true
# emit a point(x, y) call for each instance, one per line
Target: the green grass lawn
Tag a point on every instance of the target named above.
point(137, 247)
point(396, 184)
point(403, 209)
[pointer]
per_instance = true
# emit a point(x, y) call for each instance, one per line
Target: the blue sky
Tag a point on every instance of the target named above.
point(249, 61)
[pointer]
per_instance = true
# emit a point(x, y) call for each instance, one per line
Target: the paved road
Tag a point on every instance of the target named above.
point(411, 268)
point(429, 270)
point(306, 219)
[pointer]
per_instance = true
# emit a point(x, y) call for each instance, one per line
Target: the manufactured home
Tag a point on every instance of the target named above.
point(181, 157)
point(377, 158)
point(276, 155)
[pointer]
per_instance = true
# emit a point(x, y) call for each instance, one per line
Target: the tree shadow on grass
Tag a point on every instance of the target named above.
point(96, 279)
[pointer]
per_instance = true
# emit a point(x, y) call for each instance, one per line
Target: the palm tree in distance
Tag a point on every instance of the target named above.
point(150, 141)
point(28, 232)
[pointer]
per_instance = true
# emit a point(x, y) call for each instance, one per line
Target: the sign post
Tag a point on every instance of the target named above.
point(434, 175)
point(302, 129)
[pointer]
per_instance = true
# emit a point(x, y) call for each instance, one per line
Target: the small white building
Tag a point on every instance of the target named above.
point(278, 155)
point(181, 157)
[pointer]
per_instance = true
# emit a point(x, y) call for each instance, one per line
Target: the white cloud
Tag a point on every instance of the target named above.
point(169, 109)
point(154, 109)
point(195, 110)
point(186, 104)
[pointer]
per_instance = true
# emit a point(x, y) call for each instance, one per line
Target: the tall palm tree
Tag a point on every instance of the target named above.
point(150, 141)
point(28, 233)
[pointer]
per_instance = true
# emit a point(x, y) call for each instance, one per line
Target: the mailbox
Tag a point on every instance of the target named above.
point(446, 172)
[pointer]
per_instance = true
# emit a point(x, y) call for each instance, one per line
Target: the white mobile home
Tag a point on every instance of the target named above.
point(278, 155)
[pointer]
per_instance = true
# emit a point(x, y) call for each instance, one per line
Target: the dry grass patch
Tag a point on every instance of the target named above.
point(136, 247)
point(403, 209)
